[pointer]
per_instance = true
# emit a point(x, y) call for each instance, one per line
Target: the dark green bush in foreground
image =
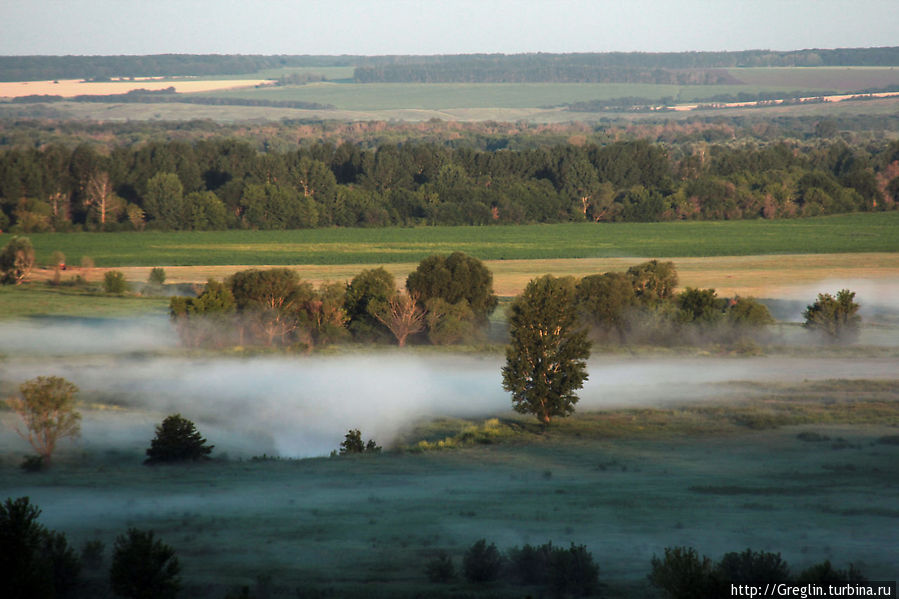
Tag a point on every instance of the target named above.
point(482, 562)
point(684, 574)
point(35, 563)
point(144, 567)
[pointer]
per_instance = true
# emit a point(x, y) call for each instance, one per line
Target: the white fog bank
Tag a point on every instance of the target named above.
point(302, 406)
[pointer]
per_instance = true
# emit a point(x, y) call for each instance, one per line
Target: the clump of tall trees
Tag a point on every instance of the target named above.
point(447, 300)
point(642, 306)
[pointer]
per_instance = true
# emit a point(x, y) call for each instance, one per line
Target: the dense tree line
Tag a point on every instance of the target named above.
point(680, 68)
point(35, 68)
point(218, 184)
point(41, 68)
point(39, 125)
point(453, 72)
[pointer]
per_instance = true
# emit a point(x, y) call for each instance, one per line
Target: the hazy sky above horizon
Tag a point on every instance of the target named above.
point(439, 26)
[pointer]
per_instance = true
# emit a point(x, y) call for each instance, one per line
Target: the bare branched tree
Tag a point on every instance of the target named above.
point(401, 313)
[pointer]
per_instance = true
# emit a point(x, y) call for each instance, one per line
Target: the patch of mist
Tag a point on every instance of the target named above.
point(303, 406)
point(64, 335)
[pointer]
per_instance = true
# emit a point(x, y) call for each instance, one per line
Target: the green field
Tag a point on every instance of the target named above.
point(43, 300)
point(851, 233)
point(437, 96)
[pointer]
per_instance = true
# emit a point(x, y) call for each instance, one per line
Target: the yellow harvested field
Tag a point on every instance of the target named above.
point(76, 87)
point(757, 276)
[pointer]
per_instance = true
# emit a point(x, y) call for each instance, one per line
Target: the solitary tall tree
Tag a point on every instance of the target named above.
point(47, 408)
point(546, 360)
point(177, 440)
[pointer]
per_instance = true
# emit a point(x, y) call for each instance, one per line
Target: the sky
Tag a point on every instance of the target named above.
point(372, 27)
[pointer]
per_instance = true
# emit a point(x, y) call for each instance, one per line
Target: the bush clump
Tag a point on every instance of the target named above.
point(144, 567)
point(157, 277)
point(177, 440)
point(353, 444)
point(683, 574)
point(482, 562)
point(114, 282)
point(441, 568)
point(568, 572)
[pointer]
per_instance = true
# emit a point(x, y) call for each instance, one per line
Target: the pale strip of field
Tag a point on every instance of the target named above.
point(76, 87)
point(766, 103)
point(758, 276)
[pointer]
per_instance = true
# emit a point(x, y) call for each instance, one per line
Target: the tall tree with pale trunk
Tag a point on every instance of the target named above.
point(401, 313)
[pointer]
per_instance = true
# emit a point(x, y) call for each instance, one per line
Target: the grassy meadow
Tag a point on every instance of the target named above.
point(807, 478)
point(850, 233)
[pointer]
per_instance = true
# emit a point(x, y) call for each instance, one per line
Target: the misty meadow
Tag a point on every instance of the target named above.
point(466, 299)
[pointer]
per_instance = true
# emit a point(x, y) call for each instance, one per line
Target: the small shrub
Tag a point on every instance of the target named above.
point(482, 562)
point(683, 574)
point(889, 440)
point(32, 463)
point(530, 565)
point(114, 282)
point(810, 437)
point(752, 566)
point(441, 568)
point(572, 571)
point(825, 573)
point(157, 277)
point(177, 440)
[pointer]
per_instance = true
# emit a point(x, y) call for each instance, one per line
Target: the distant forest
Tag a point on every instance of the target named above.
point(594, 67)
point(223, 183)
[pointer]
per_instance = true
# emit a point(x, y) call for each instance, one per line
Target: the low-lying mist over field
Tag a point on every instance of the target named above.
point(301, 406)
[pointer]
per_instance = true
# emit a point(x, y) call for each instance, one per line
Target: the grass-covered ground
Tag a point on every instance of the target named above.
point(45, 300)
point(862, 232)
point(807, 470)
